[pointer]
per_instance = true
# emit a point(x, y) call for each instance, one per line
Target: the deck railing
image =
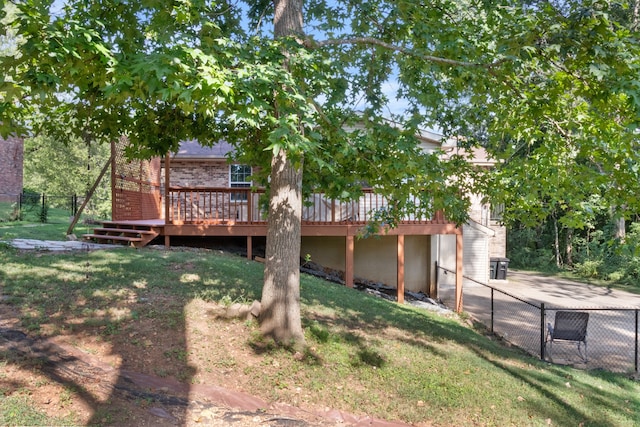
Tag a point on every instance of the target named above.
point(215, 205)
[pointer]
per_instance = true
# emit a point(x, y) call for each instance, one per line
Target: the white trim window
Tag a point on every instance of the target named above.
point(239, 177)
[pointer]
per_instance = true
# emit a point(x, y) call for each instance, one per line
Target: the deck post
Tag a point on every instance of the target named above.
point(112, 160)
point(459, 257)
point(333, 211)
point(400, 268)
point(167, 182)
point(167, 201)
point(348, 263)
point(249, 247)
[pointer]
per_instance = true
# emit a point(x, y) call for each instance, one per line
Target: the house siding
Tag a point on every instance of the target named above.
point(375, 258)
point(11, 167)
point(498, 243)
point(475, 255)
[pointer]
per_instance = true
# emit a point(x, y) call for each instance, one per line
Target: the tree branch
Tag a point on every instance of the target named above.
point(375, 42)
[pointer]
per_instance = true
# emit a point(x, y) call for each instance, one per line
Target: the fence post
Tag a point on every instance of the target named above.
point(542, 314)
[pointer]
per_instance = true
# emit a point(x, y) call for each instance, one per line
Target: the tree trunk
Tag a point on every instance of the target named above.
point(569, 247)
point(620, 233)
point(280, 305)
point(556, 242)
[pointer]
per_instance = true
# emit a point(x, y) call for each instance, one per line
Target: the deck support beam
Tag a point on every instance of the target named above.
point(167, 182)
point(249, 246)
point(401, 269)
point(348, 261)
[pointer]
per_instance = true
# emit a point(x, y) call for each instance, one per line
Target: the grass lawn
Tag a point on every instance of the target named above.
point(150, 310)
point(58, 221)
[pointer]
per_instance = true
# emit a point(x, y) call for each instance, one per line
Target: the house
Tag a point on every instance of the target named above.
point(11, 164)
point(197, 192)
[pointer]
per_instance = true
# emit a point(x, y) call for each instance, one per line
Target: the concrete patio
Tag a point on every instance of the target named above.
point(518, 318)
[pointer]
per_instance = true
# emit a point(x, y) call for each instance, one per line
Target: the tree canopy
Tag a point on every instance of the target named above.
point(551, 90)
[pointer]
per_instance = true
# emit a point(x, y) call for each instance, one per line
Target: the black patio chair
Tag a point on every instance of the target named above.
point(568, 326)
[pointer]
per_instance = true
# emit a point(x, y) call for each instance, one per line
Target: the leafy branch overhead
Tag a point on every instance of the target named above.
point(550, 89)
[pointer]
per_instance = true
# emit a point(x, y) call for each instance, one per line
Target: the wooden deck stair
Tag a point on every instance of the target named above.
point(126, 233)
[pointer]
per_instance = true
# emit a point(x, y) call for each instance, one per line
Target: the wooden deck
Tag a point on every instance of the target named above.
point(110, 230)
point(193, 212)
point(237, 212)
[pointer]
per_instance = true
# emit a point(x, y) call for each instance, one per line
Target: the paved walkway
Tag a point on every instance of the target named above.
point(55, 245)
point(514, 311)
point(553, 290)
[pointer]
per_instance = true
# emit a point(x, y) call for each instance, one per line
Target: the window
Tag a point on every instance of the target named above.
point(239, 178)
point(496, 212)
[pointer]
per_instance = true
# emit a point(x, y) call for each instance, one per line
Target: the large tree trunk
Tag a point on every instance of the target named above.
point(280, 311)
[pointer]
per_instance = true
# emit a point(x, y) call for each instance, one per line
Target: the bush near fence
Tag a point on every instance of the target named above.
point(612, 332)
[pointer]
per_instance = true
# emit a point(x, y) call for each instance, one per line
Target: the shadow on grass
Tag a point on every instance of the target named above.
point(105, 299)
point(569, 395)
point(76, 292)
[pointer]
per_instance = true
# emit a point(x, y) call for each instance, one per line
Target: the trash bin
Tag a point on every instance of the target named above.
point(493, 268)
point(501, 268)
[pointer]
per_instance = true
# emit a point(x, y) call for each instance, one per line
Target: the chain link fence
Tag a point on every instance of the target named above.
point(611, 341)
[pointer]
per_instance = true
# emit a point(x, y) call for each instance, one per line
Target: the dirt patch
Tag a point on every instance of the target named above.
point(169, 365)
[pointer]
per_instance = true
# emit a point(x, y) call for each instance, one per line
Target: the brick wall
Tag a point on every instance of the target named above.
point(194, 173)
point(11, 159)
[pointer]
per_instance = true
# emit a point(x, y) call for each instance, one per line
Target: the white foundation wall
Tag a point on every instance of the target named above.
point(375, 258)
point(475, 255)
point(444, 249)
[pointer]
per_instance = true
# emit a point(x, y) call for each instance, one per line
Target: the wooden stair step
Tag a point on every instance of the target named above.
point(134, 234)
point(123, 231)
point(108, 237)
point(126, 224)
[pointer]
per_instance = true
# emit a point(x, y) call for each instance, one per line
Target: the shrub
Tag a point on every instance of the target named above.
point(588, 269)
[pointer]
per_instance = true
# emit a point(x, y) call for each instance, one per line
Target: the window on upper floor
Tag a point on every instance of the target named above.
point(239, 177)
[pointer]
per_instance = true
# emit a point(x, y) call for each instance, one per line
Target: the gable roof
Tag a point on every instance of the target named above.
point(192, 149)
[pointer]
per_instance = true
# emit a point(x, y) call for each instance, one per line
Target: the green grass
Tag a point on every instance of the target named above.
point(7, 211)
point(17, 410)
point(365, 354)
point(58, 221)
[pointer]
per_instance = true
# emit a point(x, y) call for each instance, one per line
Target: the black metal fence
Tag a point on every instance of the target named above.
point(44, 201)
point(611, 341)
point(35, 206)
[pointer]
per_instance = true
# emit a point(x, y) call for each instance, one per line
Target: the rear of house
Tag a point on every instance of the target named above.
point(197, 192)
